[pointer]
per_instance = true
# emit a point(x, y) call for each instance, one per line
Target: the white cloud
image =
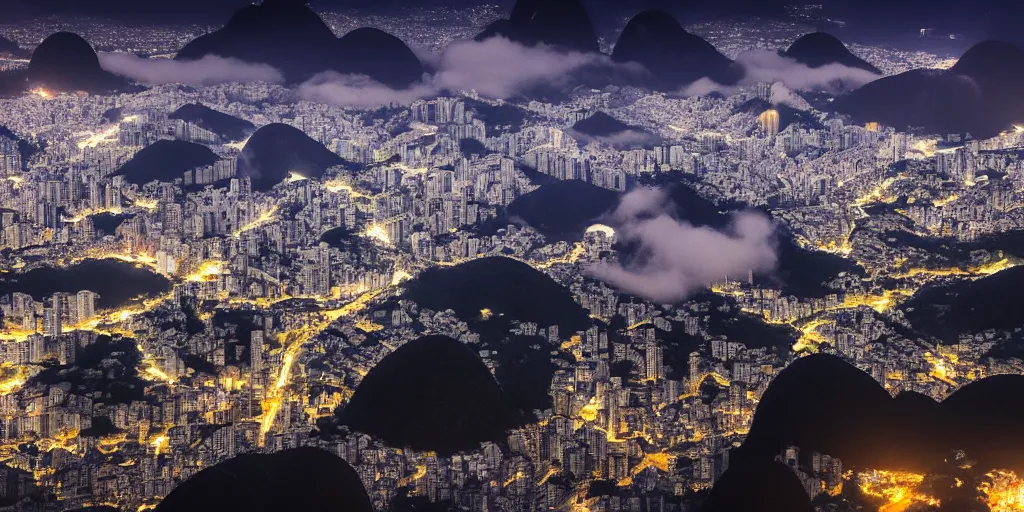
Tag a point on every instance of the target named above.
point(679, 259)
point(768, 66)
point(358, 91)
point(209, 70)
point(495, 68)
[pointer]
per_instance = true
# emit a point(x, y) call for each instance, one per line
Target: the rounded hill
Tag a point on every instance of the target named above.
point(165, 160)
point(673, 56)
point(928, 100)
point(65, 62)
point(227, 127)
point(823, 404)
point(431, 394)
point(297, 479)
point(563, 24)
point(288, 36)
point(507, 287)
point(563, 209)
point(968, 307)
point(984, 419)
point(819, 49)
point(116, 282)
point(380, 56)
point(601, 125)
point(276, 150)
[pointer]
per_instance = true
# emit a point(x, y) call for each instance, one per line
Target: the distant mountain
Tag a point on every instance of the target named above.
point(673, 56)
point(562, 210)
point(65, 62)
point(278, 149)
point(507, 287)
point(605, 129)
point(107, 370)
point(228, 127)
point(431, 394)
point(25, 148)
point(524, 369)
point(976, 96)
point(378, 55)
point(165, 160)
point(819, 49)
point(968, 307)
point(116, 282)
point(601, 125)
point(292, 38)
point(308, 479)
point(764, 486)
point(286, 35)
point(8, 47)
point(563, 24)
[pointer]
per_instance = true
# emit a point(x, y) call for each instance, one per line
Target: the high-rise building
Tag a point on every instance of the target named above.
point(86, 305)
point(256, 351)
point(654, 359)
point(769, 120)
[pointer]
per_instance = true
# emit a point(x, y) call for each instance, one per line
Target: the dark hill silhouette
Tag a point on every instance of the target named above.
point(968, 307)
point(524, 371)
point(819, 49)
point(108, 222)
point(432, 394)
point(307, 479)
point(673, 56)
point(975, 96)
point(165, 160)
point(379, 55)
point(11, 48)
point(107, 368)
point(292, 38)
point(67, 63)
point(822, 403)
point(601, 125)
point(117, 282)
point(764, 486)
point(926, 99)
point(288, 36)
point(984, 419)
point(803, 272)
point(916, 442)
point(562, 210)
point(505, 286)
point(563, 24)
point(25, 148)
point(226, 126)
point(277, 149)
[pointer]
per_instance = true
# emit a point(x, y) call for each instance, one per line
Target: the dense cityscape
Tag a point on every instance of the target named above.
point(155, 325)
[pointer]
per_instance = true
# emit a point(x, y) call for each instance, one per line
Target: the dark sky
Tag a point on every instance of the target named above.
point(985, 18)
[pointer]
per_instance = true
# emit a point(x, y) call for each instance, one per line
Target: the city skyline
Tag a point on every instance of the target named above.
point(506, 258)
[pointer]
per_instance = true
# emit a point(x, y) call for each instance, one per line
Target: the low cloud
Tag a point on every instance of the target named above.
point(499, 68)
point(767, 66)
point(496, 68)
point(677, 259)
point(360, 92)
point(781, 95)
point(209, 70)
